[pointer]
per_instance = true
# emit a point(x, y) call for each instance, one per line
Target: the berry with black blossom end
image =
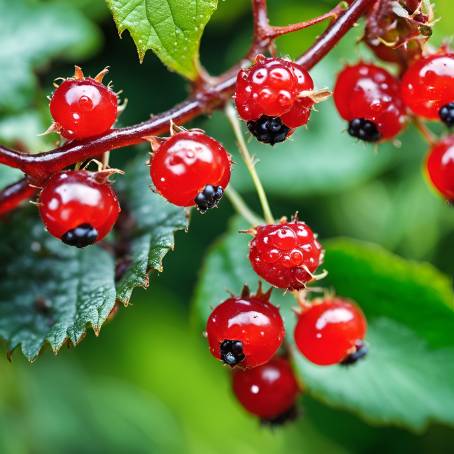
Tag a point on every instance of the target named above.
point(446, 114)
point(209, 197)
point(83, 107)
point(245, 330)
point(368, 97)
point(428, 86)
point(331, 331)
point(285, 254)
point(268, 129)
point(191, 169)
point(269, 391)
point(274, 96)
point(78, 207)
point(440, 167)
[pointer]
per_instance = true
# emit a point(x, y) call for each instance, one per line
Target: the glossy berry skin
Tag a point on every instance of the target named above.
point(285, 254)
point(440, 167)
point(183, 166)
point(268, 391)
point(428, 85)
point(83, 108)
point(78, 207)
point(272, 87)
point(330, 330)
point(368, 97)
point(245, 331)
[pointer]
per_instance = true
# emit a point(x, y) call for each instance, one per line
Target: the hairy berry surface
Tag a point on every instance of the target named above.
point(428, 84)
point(368, 97)
point(274, 87)
point(268, 391)
point(440, 167)
point(78, 207)
point(285, 254)
point(185, 164)
point(330, 330)
point(246, 330)
point(83, 108)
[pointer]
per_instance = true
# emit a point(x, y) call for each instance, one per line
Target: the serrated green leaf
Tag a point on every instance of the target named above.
point(49, 292)
point(31, 35)
point(150, 234)
point(172, 29)
point(409, 307)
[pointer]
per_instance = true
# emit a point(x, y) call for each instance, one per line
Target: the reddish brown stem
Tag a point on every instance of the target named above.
point(14, 194)
point(205, 99)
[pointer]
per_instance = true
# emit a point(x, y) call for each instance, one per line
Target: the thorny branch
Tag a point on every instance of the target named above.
point(209, 94)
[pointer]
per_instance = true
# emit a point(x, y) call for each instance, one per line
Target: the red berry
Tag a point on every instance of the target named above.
point(331, 331)
point(245, 330)
point(78, 207)
point(368, 97)
point(191, 168)
point(268, 391)
point(83, 107)
point(273, 87)
point(440, 167)
point(285, 254)
point(428, 85)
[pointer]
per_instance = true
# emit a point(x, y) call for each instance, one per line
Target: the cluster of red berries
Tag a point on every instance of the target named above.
point(80, 207)
point(247, 332)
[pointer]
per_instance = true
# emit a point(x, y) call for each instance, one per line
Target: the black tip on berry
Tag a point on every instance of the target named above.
point(364, 130)
point(268, 129)
point(232, 352)
point(360, 353)
point(208, 198)
point(81, 236)
point(446, 114)
point(284, 418)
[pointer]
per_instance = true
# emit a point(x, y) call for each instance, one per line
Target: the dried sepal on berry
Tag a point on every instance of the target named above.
point(396, 31)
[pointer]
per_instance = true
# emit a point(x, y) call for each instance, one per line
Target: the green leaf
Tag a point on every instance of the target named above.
point(150, 234)
point(172, 29)
point(33, 34)
point(49, 292)
point(407, 378)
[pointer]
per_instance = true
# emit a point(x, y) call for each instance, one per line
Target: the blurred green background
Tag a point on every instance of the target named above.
point(148, 384)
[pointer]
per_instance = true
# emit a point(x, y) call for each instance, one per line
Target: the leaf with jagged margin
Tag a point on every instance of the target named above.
point(172, 29)
point(149, 231)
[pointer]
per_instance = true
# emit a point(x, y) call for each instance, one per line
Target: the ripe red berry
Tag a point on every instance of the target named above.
point(83, 107)
point(191, 168)
point(78, 207)
point(428, 87)
point(270, 96)
point(368, 97)
point(286, 255)
point(440, 167)
point(245, 330)
point(331, 331)
point(268, 391)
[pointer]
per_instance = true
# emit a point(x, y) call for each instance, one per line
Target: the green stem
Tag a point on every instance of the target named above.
point(247, 158)
point(240, 206)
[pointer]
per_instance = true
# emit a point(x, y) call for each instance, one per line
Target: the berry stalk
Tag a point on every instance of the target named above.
point(250, 164)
